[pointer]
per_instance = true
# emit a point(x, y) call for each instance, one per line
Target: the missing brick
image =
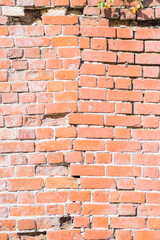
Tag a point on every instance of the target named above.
point(65, 222)
point(30, 16)
point(32, 235)
point(54, 119)
point(33, 15)
point(75, 11)
point(133, 23)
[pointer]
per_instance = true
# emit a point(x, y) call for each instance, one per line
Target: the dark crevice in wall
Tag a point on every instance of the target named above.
point(65, 221)
point(133, 23)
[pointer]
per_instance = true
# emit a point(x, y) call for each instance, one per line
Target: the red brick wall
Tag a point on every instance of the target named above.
point(79, 124)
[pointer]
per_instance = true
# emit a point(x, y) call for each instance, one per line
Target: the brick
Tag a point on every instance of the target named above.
point(125, 184)
point(122, 171)
point(103, 158)
point(84, 196)
point(144, 33)
point(53, 30)
point(94, 183)
point(17, 30)
point(150, 172)
point(94, 21)
point(15, 12)
point(149, 210)
point(81, 222)
point(27, 211)
point(32, 42)
point(96, 209)
point(100, 196)
point(93, 69)
point(130, 71)
point(51, 197)
point(151, 72)
point(3, 31)
point(111, 13)
point(39, 75)
point(85, 170)
point(98, 43)
point(127, 210)
point(89, 145)
point(126, 45)
point(100, 222)
point(148, 59)
point(3, 20)
point(54, 145)
point(121, 146)
point(71, 30)
point(90, 11)
point(97, 56)
point(153, 223)
point(127, 197)
point(66, 74)
point(96, 107)
point(77, 3)
point(31, 52)
point(77, 118)
point(64, 41)
point(146, 160)
point(71, 63)
point(128, 222)
point(8, 225)
point(148, 84)
point(98, 31)
point(16, 147)
point(73, 157)
point(147, 235)
point(95, 132)
point(103, 234)
point(123, 133)
point(128, 96)
point(59, 20)
point(36, 158)
point(15, 53)
point(67, 234)
point(68, 52)
point(124, 57)
point(124, 32)
point(61, 107)
point(55, 158)
point(152, 46)
point(124, 234)
point(147, 184)
point(146, 109)
point(42, 3)
point(27, 224)
point(66, 96)
point(145, 14)
point(132, 121)
point(84, 43)
point(25, 2)
point(65, 132)
point(63, 182)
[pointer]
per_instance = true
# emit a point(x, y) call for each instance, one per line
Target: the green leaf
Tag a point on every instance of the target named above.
point(101, 4)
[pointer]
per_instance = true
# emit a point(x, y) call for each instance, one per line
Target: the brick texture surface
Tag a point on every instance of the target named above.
point(79, 122)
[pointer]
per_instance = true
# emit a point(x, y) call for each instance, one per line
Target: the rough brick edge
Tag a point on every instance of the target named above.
point(120, 9)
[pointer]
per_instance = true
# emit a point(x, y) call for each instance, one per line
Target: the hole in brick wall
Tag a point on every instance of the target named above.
point(65, 222)
point(133, 23)
point(54, 119)
point(32, 235)
point(75, 11)
point(31, 16)
point(76, 176)
point(34, 15)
